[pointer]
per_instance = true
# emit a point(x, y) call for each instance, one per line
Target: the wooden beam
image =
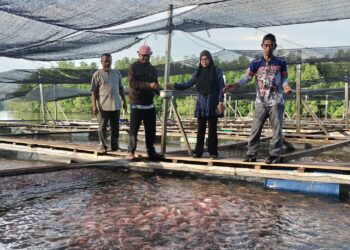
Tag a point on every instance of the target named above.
point(313, 151)
point(346, 103)
point(319, 122)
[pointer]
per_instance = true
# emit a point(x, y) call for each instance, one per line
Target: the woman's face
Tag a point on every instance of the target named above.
point(205, 61)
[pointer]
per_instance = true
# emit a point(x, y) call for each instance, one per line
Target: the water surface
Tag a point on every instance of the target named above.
point(108, 209)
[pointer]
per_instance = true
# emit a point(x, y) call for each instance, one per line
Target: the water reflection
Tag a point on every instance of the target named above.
point(105, 209)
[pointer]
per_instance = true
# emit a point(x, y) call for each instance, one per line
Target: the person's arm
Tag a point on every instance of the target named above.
point(284, 78)
point(122, 93)
point(221, 106)
point(221, 84)
point(137, 84)
point(187, 84)
point(155, 86)
point(94, 93)
point(94, 106)
point(246, 78)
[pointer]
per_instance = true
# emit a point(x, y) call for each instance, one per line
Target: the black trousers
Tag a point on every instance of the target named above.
point(212, 135)
point(113, 118)
point(148, 117)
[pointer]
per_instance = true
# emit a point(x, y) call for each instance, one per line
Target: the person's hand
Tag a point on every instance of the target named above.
point(221, 107)
point(94, 110)
point(287, 90)
point(154, 85)
point(169, 86)
point(125, 107)
point(230, 87)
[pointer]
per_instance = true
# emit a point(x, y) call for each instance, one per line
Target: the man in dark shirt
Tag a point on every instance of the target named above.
point(143, 86)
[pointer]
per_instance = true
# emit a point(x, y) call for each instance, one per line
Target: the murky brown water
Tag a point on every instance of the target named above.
point(106, 209)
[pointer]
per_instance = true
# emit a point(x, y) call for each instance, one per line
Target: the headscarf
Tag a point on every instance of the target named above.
point(206, 76)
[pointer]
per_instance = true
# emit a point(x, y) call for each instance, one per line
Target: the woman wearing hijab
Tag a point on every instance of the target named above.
point(209, 82)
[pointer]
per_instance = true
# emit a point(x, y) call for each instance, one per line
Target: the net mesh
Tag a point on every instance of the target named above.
point(65, 30)
point(12, 82)
point(57, 93)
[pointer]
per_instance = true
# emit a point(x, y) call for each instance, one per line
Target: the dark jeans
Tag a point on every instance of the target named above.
point(275, 113)
point(212, 135)
point(148, 116)
point(113, 118)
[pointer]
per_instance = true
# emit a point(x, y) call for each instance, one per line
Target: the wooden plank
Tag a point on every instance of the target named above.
point(90, 153)
point(313, 151)
point(221, 146)
point(244, 172)
point(319, 122)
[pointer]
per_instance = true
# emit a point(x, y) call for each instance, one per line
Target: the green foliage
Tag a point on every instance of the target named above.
point(309, 72)
point(22, 107)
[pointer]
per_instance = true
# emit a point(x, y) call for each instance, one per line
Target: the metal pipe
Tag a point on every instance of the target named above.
point(166, 78)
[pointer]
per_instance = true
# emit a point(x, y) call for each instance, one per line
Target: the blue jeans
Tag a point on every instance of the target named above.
point(275, 113)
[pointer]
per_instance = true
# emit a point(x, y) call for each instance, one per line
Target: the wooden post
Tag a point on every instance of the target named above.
point(225, 103)
point(191, 103)
point(298, 98)
point(236, 107)
point(166, 78)
point(227, 107)
point(179, 123)
point(42, 104)
point(326, 109)
point(54, 92)
point(59, 106)
point(346, 103)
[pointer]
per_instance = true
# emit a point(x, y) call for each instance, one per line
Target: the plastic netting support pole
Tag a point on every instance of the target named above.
point(298, 97)
point(42, 99)
point(166, 78)
point(225, 103)
point(346, 102)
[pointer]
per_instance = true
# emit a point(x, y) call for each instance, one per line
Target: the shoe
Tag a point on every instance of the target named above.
point(102, 149)
point(196, 155)
point(214, 156)
point(154, 156)
point(131, 156)
point(249, 158)
point(115, 147)
point(272, 159)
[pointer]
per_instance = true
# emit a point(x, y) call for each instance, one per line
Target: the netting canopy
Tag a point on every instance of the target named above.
point(64, 30)
point(54, 94)
point(12, 82)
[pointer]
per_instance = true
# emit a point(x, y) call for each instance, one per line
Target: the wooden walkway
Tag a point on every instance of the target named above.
point(89, 156)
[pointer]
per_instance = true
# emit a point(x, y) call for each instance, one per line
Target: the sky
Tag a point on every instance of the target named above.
point(320, 34)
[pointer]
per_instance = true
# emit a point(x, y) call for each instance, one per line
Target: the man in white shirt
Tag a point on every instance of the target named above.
point(107, 91)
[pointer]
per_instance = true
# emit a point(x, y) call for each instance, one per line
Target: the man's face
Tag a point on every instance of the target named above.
point(144, 58)
point(106, 62)
point(268, 46)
